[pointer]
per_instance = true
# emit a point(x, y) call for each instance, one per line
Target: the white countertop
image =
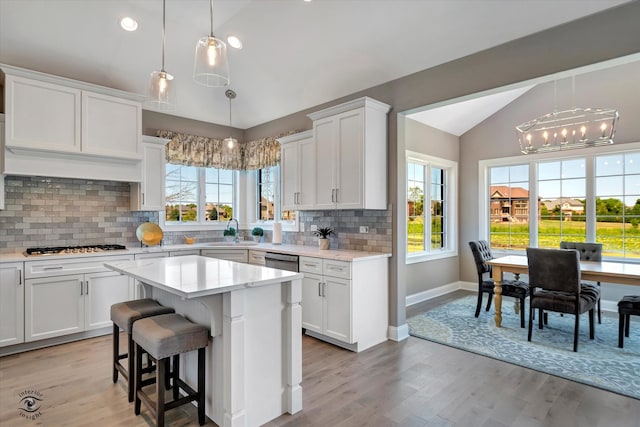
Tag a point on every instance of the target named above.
point(196, 276)
point(312, 251)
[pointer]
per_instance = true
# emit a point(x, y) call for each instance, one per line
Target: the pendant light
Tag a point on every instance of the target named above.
point(161, 90)
point(210, 65)
point(230, 142)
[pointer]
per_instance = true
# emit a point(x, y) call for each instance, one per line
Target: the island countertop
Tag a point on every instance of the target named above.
point(196, 276)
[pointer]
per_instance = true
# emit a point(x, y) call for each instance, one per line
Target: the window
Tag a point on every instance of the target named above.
point(509, 206)
point(198, 196)
point(591, 198)
point(430, 231)
point(268, 200)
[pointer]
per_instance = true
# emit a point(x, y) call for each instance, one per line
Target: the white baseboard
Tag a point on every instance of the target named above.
point(439, 291)
point(399, 333)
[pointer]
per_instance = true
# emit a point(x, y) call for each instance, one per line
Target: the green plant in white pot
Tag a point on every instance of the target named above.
point(323, 234)
point(257, 233)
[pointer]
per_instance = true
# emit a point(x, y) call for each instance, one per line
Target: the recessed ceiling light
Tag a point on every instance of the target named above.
point(234, 42)
point(128, 24)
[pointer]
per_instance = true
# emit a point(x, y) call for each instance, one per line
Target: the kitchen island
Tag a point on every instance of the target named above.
point(254, 357)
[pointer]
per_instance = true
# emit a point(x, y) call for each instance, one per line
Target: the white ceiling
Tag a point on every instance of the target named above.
point(296, 54)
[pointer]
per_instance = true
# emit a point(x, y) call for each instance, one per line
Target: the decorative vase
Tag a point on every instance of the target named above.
point(323, 243)
point(257, 238)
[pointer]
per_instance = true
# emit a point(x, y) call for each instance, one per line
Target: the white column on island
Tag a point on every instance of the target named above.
point(293, 365)
point(234, 380)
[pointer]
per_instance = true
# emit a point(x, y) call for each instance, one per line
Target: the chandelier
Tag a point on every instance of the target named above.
point(569, 129)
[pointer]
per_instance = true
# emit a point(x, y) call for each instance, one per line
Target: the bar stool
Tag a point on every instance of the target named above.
point(123, 315)
point(165, 337)
point(627, 306)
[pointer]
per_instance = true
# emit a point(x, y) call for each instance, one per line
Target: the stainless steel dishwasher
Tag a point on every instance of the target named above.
point(281, 261)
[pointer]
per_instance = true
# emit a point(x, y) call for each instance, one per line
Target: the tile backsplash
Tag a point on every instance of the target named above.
point(43, 211)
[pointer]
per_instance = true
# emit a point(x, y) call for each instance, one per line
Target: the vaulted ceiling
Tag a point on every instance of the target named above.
point(296, 54)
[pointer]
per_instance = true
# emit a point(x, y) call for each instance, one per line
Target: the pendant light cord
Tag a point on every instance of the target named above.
point(164, 3)
point(211, 14)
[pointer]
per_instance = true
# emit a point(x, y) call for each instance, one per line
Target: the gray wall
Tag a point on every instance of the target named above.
point(561, 48)
point(427, 140)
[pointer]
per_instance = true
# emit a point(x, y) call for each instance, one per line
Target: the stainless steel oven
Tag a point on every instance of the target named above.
point(281, 261)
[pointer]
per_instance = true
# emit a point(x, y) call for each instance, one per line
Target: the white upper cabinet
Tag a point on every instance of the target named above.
point(69, 129)
point(111, 126)
point(149, 194)
point(41, 115)
point(298, 171)
point(351, 155)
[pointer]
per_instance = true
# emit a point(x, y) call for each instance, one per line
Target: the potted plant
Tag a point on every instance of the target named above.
point(229, 234)
point(323, 234)
point(257, 233)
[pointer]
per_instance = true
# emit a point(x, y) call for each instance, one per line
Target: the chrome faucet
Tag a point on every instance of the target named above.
point(237, 235)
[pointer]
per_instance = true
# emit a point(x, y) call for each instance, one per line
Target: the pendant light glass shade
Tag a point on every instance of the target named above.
point(161, 93)
point(161, 89)
point(210, 65)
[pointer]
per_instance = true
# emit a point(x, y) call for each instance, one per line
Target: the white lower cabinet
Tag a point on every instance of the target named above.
point(345, 303)
point(58, 302)
point(256, 257)
point(63, 305)
point(11, 304)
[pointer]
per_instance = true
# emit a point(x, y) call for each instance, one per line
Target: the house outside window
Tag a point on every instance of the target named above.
point(268, 195)
point(591, 198)
point(198, 196)
point(430, 224)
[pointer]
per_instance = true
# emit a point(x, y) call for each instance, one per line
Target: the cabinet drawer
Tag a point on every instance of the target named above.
point(310, 265)
point(229, 255)
point(256, 257)
point(151, 255)
point(184, 253)
point(341, 269)
point(62, 267)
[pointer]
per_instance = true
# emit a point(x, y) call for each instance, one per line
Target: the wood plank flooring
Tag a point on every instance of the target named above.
point(411, 383)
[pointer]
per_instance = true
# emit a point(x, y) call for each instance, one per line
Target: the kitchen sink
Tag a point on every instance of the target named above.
point(232, 244)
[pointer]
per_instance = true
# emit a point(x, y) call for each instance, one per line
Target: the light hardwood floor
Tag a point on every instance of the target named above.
point(411, 383)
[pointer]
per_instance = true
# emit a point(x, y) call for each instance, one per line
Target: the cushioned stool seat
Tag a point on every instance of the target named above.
point(627, 306)
point(123, 315)
point(164, 337)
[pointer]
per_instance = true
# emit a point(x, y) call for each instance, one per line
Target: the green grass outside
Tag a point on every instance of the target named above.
point(619, 240)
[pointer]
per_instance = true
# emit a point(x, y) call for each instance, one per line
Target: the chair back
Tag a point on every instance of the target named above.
point(588, 251)
point(554, 269)
point(481, 254)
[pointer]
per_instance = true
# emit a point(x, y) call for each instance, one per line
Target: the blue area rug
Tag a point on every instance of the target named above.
point(599, 363)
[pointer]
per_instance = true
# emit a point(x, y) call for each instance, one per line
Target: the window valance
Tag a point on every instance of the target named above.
point(202, 151)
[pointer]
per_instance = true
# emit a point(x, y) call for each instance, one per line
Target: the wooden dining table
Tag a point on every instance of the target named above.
point(623, 273)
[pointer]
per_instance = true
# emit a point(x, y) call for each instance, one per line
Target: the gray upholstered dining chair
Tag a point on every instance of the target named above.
point(511, 288)
point(554, 282)
point(588, 252)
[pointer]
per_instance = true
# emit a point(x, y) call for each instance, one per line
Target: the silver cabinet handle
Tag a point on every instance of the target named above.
point(87, 287)
point(337, 195)
point(19, 277)
point(324, 288)
point(81, 287)
point(333, 194)
point(319, 289)
point(142, 199)
point(59, 267)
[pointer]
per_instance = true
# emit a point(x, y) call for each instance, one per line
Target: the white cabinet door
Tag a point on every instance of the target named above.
point(54, 306)
point(306, 174)
point(149, 194)
point(257, 257)
point(325, 134)
point(111, 126)
point(289, 176)
point(312, 303)
point(102, 290)
point(11, 304)
point(337, 308)
point(348, 163)
point(298, 171)
point(42, 116)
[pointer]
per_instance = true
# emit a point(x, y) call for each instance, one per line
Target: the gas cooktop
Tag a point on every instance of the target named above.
point(63, 250)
